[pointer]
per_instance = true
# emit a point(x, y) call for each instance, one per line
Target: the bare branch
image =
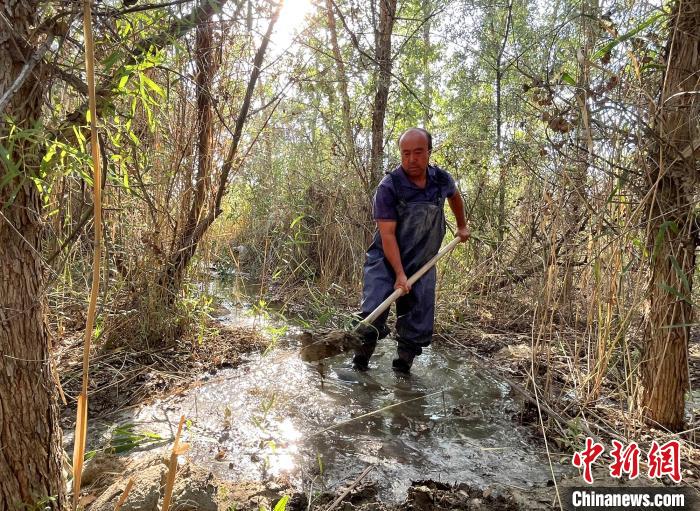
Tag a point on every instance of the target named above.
point(26, 72)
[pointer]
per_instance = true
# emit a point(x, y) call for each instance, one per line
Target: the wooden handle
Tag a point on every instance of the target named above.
point(398, 292)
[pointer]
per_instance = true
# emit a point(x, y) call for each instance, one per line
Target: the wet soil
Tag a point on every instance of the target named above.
point(274, 425)
point(269, 425)
point(107, 476)
point(276, 418)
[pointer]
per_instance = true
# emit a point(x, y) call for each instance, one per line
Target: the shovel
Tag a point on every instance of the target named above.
point(316, 347)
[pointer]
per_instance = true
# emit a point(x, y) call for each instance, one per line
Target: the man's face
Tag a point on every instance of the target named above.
point(414, 153)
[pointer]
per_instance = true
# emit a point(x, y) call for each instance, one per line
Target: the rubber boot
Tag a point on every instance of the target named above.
point(360, 362)
point(402, 364)
point(370, 336)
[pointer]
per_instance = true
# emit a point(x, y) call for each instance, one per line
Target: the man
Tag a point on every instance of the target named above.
point(409, 211)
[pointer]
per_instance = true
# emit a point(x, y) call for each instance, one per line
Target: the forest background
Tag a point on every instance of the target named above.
point(228, 138)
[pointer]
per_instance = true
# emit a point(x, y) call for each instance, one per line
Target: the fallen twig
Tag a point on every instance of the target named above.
point(334, 426)
point(125, 494)
point(340, 498)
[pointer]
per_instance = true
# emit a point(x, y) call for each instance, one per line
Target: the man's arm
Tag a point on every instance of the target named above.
point(387, 231)
point(457, 207)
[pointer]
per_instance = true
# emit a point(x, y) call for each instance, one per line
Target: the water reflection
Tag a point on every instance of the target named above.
point(275, 418)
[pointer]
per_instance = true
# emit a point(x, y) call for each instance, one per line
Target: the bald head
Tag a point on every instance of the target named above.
point(416, 135)
point(415, 145)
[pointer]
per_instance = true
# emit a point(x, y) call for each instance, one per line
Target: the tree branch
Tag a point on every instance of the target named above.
point(178, 28)
point(26, 72)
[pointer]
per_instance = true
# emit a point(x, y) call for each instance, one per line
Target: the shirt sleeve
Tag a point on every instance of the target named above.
point(449, 186)
point(384, 207)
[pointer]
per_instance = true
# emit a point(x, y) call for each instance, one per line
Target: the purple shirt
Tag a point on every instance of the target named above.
point(439, 184)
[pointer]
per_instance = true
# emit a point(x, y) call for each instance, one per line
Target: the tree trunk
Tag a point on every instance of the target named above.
point(672, 233)
point(30, 437)
point(427, 76)
point(387, 16)
point(499, 128)
point(185, 247)
point(341, 77)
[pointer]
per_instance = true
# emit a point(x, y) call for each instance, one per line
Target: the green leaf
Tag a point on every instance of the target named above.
point(124, 439)
point(8, 163)
point(125, 180)
point(680, 273)
point(149, 114)
point(628, 35)
point(653, 65)
point(122, 81)
point(80, 138)
point(679, 325)
point(111, 60)
point(319, 460)
point(659, 239)
point(123, 27)
point(567, 78)
point(282, 504)
point(153, 86)
point(296, 220)
point(673, 291)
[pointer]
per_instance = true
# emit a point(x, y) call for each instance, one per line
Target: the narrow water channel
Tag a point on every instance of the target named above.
point(277, 418)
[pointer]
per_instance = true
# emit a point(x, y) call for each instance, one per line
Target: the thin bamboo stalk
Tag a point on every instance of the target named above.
point(81, 420)
point(172, 470)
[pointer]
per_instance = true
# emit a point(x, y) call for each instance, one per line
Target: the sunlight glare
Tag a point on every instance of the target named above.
point(291, 21)
point(283, 459)
point(288, 431)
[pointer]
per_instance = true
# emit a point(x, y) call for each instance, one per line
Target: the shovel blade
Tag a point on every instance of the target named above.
point(321, 345)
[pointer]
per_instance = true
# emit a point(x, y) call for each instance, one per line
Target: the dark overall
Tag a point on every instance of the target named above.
point(420, 228)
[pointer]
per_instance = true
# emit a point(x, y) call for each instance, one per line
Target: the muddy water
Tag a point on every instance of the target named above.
point(277, 418)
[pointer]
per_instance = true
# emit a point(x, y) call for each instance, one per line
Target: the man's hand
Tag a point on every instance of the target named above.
point(387, 231)
point(402, 283)
point(464, 233)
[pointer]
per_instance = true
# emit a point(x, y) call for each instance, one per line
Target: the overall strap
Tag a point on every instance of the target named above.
point(438, 181)
point(396, 182)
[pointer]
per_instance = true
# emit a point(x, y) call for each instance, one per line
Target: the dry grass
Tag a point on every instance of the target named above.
point(123, 377)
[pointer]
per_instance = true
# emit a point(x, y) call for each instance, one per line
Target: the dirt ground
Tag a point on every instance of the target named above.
point(106, 477)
